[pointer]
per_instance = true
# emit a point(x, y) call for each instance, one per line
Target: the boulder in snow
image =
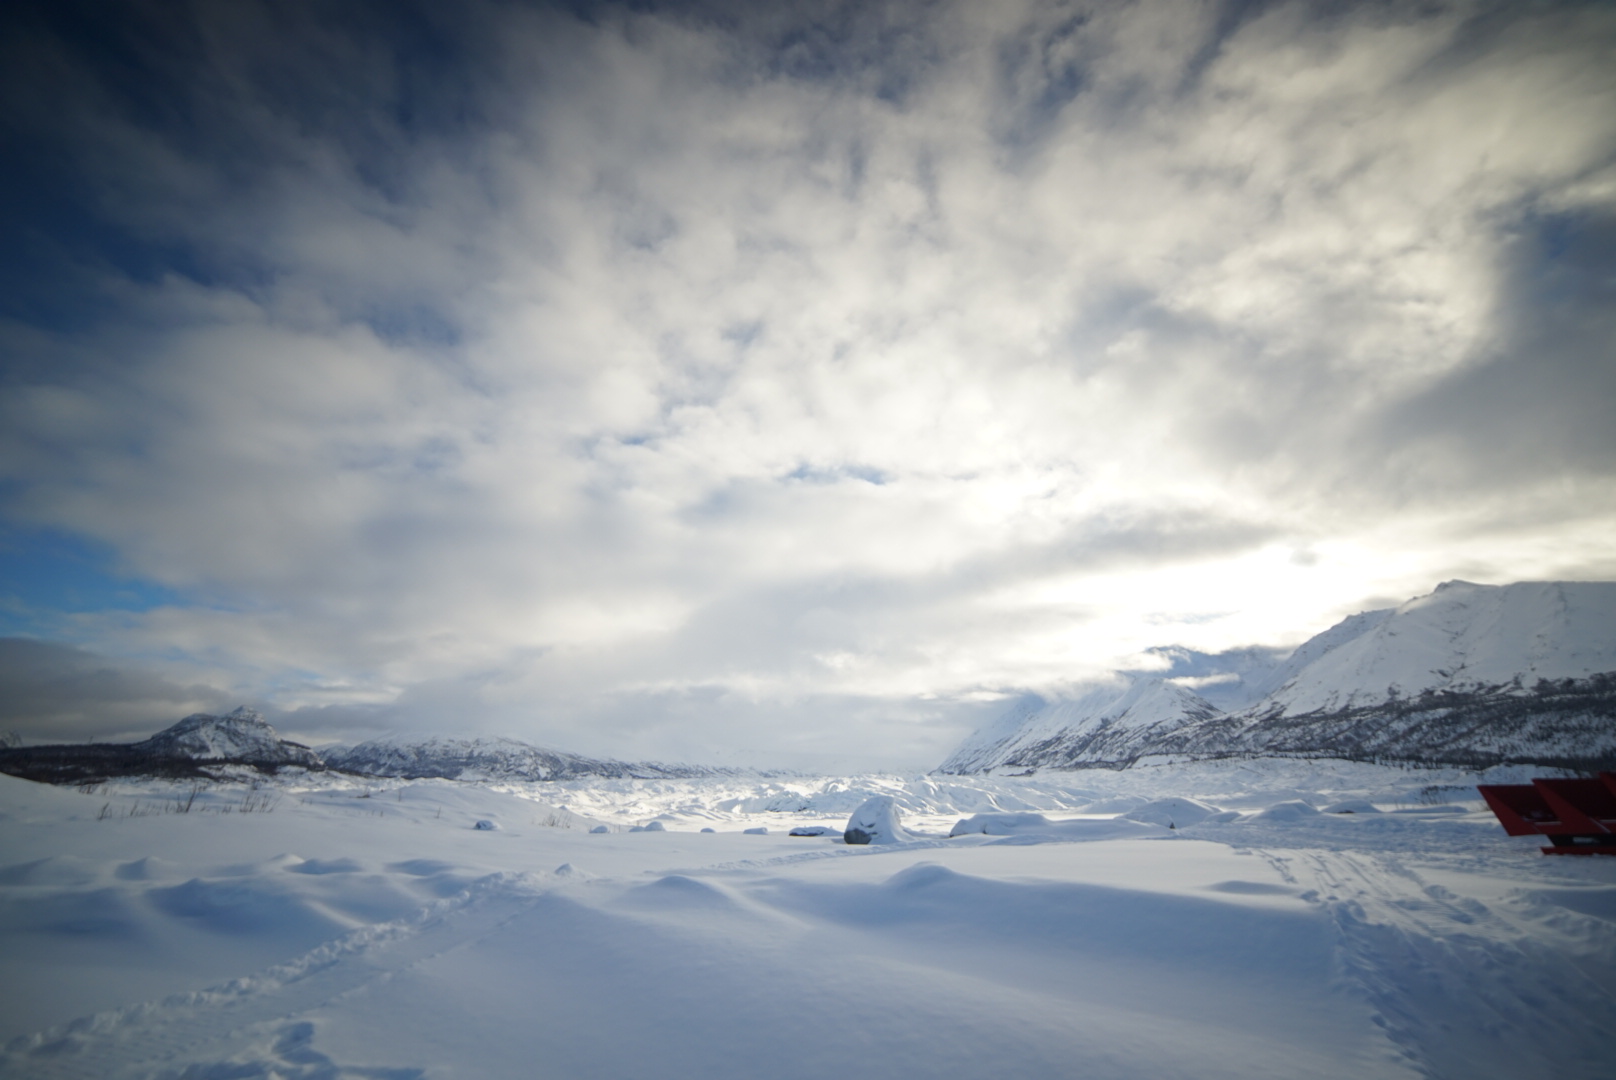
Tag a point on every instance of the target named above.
point(876, 822)
point(485, 826)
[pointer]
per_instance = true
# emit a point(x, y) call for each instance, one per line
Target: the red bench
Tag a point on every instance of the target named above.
point(1579, 816)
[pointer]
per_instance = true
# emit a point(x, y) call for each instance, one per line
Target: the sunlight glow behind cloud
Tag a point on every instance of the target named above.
point(654, 381)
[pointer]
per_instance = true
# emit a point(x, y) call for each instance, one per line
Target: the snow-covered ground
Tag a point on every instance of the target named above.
point(321, 927)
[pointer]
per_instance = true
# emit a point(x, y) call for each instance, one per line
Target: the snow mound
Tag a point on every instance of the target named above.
point(876, 822)
point(1173, 813)
point(1352, 806)
point(1291, 810)
point(992, 824)
point(1038, 828)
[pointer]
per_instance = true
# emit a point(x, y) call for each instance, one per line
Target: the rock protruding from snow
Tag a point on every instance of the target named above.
point(241, 735)
point(877, 821)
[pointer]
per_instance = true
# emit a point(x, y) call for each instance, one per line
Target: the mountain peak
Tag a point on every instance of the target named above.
point(240, 735)
point(1467, 674)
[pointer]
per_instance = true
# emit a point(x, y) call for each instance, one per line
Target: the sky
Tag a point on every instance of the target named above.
point(785, 385)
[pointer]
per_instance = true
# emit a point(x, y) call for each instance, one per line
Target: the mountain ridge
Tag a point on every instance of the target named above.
point(1470, 675)
point(193, 745)
point(492, 757)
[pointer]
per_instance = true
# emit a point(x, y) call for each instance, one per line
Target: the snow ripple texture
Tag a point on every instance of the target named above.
point(368, 929)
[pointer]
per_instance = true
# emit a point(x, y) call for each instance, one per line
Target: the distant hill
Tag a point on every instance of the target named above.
point(200, 741)
point(1470, 675)
point(241, 737)
point(493, 759)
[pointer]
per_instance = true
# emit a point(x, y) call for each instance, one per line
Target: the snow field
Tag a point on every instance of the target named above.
point(371, 931)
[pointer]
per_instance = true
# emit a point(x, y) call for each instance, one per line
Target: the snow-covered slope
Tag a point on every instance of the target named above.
point(1109, 725)
point(311, 925)
point(1462, 637)
point(240, 735)
point(489, 758)
point(1344, 632)
point(1471, 675)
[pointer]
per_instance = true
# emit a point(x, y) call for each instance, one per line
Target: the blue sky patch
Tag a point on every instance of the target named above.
point(45, 574)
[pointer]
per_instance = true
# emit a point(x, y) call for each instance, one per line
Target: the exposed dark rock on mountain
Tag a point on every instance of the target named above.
point(1470, 675)
point(199, 742)
point(183, 750)
point(239, 736)
point(489, 758)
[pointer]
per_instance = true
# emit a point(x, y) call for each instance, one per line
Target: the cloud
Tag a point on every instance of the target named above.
point(56, 693)
point(719, 359)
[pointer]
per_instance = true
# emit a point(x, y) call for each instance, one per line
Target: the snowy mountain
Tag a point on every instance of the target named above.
point(487, 758)
point(185, 750)
point(1471, 675)
point(243, 738)
point(1109, 725)
point(241, 735)
point(1460, 638)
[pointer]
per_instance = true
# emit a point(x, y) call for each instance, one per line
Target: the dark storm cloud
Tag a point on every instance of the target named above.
point(57, 693)
point(1539, 403)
